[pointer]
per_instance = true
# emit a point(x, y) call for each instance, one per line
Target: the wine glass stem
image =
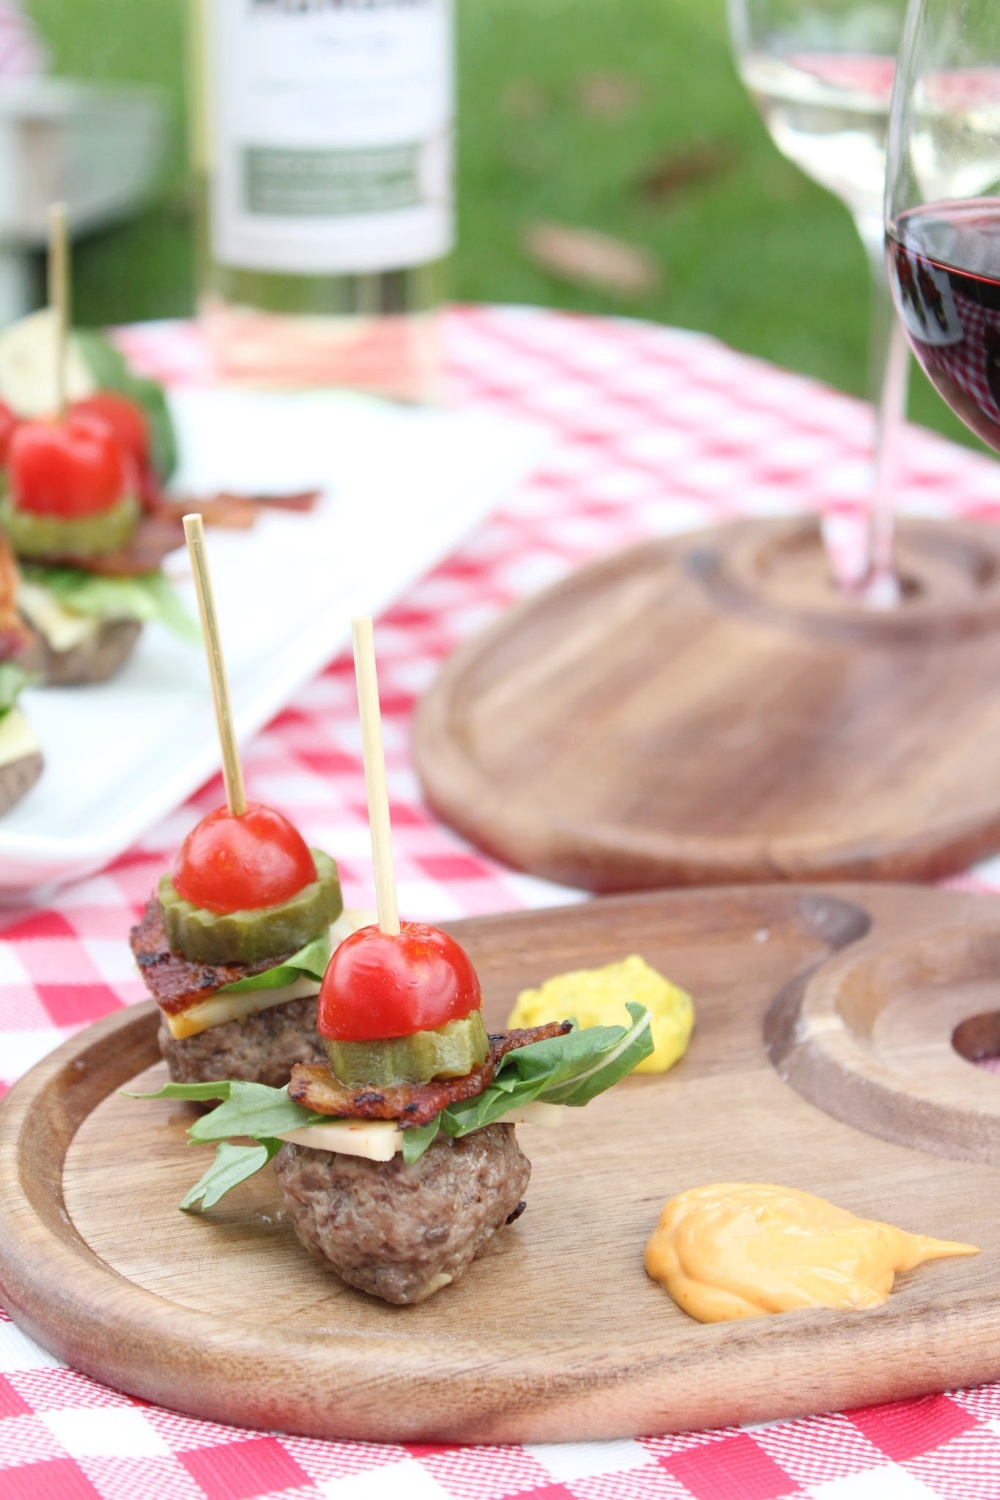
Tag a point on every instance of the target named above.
point(889, 374)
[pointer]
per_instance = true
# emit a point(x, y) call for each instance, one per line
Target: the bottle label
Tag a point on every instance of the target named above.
point(330, 133)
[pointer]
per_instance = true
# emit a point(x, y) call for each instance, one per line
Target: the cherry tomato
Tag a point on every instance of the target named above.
point(377, 986)
point(126, 419)
point(71, 468)
point(8, 421)
point(243, 863)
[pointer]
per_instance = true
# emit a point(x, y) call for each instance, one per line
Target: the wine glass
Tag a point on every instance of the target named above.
point(942, 205)
point(820, 72)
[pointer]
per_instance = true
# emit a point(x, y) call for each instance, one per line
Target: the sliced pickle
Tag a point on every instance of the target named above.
point(34, 535)
point(450, 1052)
point(246, 937)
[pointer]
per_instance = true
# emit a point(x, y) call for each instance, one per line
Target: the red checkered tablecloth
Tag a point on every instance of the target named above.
point(653, 430)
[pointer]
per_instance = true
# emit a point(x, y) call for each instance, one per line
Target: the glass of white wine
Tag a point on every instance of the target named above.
point(821, 72)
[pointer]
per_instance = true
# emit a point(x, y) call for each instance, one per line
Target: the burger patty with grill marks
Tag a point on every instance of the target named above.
point(261, 1048)
point(398, 1231)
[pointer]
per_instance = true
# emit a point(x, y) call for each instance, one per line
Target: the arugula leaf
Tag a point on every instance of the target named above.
point(232, 1165)
point(12, 679)
point(252, 1109)
point(162, 434)
point(110, 369)
point(196, 1091)
point(591, 1076)
point(417, 1138)
point(144, 596)
point(569, 1069)
point(310, 960)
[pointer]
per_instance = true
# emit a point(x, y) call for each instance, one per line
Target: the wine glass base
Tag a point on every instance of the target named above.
point(709, 709)
point(947, 579)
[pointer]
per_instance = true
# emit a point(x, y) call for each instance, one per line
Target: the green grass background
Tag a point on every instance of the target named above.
point(754, 253)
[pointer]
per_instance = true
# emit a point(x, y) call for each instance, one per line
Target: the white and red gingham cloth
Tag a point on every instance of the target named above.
point(654, 430)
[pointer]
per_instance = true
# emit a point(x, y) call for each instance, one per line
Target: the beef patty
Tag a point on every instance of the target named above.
point(262, 1048)
point(401, 1232)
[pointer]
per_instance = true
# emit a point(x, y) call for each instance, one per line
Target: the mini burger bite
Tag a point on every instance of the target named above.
point(90, 554)
point(401, 1018)
point(396, 1155)
point(80, 493)
point(233, 946)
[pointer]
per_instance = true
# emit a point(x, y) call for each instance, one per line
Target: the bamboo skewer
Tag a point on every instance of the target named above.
point(375, 782)
point(59, 296)
point(232, 771)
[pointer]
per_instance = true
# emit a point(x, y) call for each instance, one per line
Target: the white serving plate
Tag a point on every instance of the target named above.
point(401, 488)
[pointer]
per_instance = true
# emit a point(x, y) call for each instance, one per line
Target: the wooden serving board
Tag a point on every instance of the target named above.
point(558, 1334)
point(707, 709)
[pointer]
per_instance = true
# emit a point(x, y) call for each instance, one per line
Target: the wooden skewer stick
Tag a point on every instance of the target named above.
point(232, 771)
point(375, 782)
point(59, 296)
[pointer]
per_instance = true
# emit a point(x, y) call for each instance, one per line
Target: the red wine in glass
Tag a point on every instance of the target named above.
point(944, 268)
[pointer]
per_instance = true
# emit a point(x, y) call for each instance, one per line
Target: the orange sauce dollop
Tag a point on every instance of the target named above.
point(742, 1249)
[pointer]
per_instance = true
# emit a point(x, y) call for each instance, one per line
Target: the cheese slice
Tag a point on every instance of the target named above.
point(17, 738)
point(60, 628)
point(536, 1113)
point(379, 1140)
point(376, 1140)
point(220, 1008)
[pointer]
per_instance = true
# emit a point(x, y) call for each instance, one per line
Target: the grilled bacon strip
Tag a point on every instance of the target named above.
point(315, 1086)
point(234, 511)
point(175, 982)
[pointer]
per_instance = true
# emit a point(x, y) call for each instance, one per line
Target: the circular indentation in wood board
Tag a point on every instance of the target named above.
point(869, 1039)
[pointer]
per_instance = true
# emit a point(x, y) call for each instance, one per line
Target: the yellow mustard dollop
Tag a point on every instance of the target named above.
point(742, 1249)
point(597, 997)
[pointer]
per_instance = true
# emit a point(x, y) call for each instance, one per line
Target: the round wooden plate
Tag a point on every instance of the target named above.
point(558, 1334)
point(706, 709)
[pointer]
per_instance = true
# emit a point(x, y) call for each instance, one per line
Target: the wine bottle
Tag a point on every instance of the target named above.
point(322, 141)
